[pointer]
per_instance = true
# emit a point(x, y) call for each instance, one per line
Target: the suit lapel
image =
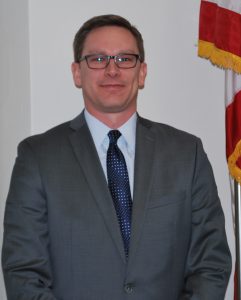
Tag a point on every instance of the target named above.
point(144, 159)
point(88, 159)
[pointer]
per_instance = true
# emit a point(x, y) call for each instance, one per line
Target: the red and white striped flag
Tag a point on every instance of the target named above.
point(220, 42)
point(233, 123)
point(220, 33)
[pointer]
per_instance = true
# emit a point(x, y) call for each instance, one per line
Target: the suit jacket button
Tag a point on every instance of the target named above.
point(128, 288)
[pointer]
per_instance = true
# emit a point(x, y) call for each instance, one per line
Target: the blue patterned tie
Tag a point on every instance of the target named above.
point(119, 186)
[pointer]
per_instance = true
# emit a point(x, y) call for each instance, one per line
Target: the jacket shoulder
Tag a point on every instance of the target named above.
point(169, 132)
point(52, 135)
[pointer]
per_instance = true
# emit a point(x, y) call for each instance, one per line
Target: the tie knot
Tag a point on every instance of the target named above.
point(113, 136)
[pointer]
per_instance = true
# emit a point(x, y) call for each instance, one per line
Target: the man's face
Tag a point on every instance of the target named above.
point(109, 90)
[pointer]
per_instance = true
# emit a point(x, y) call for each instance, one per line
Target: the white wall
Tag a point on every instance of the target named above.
point(181, 89)
point(14, 92)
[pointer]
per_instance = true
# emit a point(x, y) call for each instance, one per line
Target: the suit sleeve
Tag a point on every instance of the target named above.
point(25, 256)
point(208, 263)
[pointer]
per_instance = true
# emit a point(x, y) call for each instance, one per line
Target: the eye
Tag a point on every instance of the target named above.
point(97, 58)
point(125, 58)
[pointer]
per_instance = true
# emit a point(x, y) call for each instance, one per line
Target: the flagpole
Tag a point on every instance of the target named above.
point(237, 196)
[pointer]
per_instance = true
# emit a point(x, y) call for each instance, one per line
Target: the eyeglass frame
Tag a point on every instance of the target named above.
point(109, 57)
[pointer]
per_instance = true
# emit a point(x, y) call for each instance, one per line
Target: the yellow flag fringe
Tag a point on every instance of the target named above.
point(234, 170)
point(218, 57)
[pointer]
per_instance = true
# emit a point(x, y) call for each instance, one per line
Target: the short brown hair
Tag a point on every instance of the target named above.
point(100, 21)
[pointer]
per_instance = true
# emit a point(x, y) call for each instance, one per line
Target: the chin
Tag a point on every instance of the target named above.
point(114, 109)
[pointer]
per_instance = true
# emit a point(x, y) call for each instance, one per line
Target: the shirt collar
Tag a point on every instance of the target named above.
point(99, 132)
point(128, 131)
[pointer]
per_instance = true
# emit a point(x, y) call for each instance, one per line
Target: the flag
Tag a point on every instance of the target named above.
point(220, 33)
point(220, 42)
point(233, 133)
point(233, 123)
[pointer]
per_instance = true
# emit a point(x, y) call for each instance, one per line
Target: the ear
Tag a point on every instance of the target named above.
point(75, 68)
point(142, 75)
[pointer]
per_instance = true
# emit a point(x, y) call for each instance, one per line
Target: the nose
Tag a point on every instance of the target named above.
point(112, 69)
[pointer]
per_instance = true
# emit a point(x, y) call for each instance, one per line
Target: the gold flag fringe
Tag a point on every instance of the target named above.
point(234, 170)
point(218, 57)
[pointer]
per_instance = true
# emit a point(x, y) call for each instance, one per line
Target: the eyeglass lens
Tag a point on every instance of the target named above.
point(122, 61)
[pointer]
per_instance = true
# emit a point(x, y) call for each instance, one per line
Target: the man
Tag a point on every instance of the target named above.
point(111, 206)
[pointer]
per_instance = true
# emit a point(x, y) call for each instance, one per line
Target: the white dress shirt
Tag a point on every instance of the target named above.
point(126, 142)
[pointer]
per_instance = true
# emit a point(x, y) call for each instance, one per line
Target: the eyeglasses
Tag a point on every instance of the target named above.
point(123, 61)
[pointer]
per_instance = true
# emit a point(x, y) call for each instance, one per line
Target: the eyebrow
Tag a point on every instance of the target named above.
point(103, 52)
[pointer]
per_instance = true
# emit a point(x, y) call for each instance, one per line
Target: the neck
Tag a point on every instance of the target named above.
point(112, 120)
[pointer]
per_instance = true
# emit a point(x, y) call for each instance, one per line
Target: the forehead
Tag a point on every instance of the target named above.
point(112, 39)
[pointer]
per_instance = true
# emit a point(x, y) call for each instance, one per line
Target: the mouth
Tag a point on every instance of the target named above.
point(112, 86)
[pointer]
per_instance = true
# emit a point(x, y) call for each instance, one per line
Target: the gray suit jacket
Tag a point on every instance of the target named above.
point(62, 239)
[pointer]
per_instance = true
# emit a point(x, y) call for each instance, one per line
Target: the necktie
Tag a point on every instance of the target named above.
point(118, 181)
